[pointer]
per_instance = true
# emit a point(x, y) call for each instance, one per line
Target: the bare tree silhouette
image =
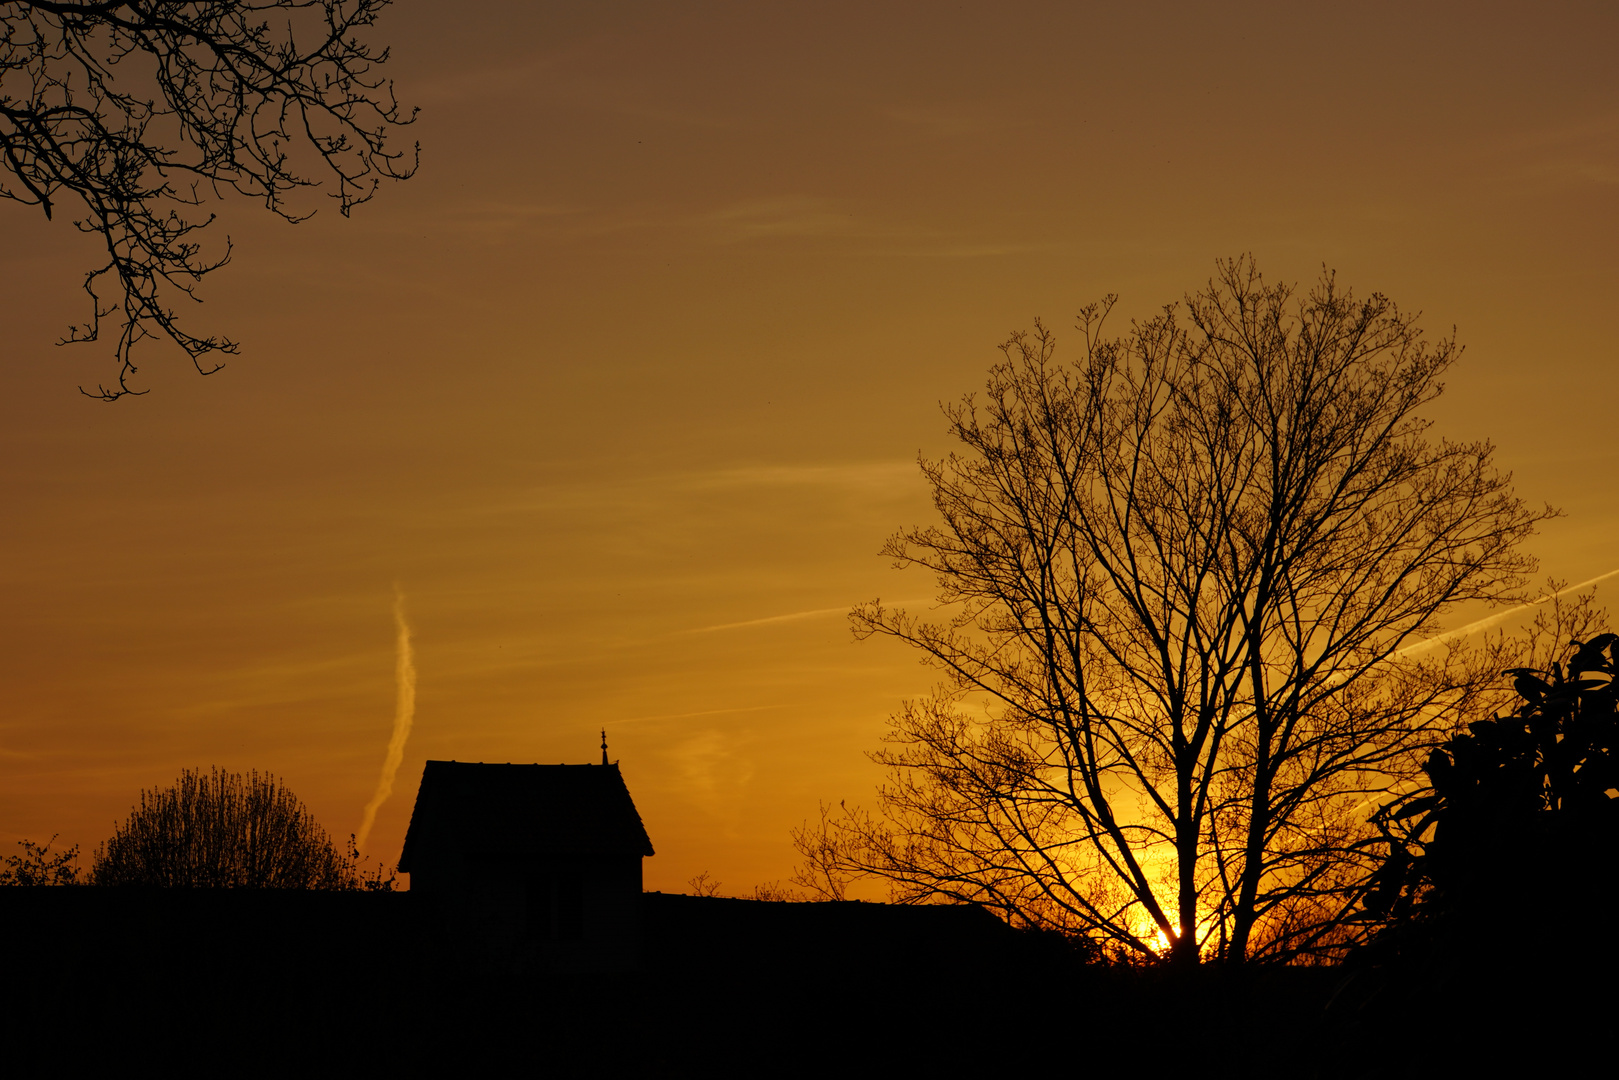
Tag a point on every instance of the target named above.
point(1183, 578)
point(225, 831)
point(703, 885)
point(137, 110)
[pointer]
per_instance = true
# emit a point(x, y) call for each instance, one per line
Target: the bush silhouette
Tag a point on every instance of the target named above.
point(1519, 805)
point(1493, 903)
point(223, 831)
point(39, 865)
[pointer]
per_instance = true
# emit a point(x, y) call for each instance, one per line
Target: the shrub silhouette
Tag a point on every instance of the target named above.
point(223, 831)
point(1493, 903)
point(39, 865)
point(1518, 805)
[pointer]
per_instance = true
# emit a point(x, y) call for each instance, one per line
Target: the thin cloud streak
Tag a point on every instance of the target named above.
point(404, 715)
point(793, 617)
point(1498, 617)
point(790, 617)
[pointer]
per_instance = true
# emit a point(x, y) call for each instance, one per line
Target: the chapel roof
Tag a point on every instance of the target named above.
point(523, 810)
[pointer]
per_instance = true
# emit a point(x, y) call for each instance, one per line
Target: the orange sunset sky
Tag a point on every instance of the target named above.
point(625, 388)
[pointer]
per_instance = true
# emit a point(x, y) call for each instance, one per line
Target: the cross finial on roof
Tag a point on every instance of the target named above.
point(604, 746)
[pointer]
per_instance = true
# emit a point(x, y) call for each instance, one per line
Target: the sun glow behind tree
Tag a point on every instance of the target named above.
point(1179, 575)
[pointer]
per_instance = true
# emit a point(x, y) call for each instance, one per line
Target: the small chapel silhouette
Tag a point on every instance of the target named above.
point(539, 862)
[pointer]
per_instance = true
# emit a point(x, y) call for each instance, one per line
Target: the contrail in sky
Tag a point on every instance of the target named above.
point(1500, 616)
point(792, 617)
point(404, 713)
point(1473, 628)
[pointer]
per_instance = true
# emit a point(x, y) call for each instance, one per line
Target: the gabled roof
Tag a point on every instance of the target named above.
point(517, 810)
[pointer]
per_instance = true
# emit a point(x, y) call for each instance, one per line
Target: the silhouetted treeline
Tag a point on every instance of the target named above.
point(277, 979)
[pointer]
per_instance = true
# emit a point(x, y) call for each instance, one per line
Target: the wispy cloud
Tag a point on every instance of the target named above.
point(656, 489)
point(769, 619)
point(1499, 617)
point(784, 218)
point(808, 217)
point(790, 215)
point(404, 714)
point(693, 715)
point(795, 616)
point(947, 250)
point(864, 476)
point(1570, 154)
point(271, 684)
point(713, 769)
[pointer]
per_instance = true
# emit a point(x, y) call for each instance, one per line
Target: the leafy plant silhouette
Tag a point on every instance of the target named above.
point(1529, 795)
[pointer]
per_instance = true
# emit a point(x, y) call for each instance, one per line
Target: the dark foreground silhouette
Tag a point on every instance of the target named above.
point(247, 982)
point(243, 982)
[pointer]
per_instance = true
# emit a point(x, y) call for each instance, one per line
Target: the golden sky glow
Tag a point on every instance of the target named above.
point(625, 388)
